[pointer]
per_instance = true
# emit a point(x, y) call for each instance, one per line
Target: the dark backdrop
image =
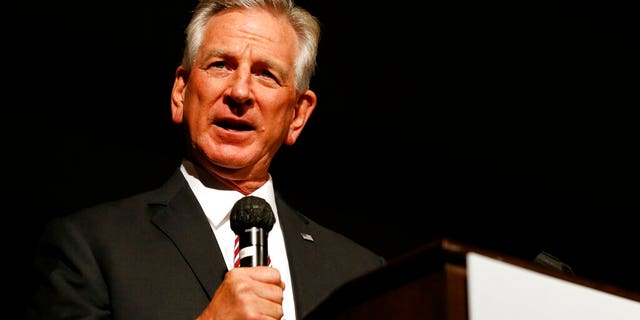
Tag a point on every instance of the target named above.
point(510, 126)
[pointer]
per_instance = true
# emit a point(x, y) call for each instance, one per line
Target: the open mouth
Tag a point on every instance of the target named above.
point(234, 125)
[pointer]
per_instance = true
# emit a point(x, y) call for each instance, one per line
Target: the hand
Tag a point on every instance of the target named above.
point(247, 293)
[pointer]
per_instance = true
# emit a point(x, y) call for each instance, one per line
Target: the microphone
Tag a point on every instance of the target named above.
point(251, 220)
point(546, 259)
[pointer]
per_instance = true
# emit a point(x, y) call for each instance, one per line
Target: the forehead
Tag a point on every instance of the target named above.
point(255, 29)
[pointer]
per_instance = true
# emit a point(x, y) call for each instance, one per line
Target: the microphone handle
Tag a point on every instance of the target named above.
point(253, 247)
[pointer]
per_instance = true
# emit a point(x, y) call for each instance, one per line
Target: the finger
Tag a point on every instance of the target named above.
point(265, 274)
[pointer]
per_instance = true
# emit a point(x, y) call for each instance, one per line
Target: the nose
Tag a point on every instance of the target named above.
point(239, 92)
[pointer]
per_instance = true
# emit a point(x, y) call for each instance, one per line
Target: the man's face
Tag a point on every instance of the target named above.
point(239, 102)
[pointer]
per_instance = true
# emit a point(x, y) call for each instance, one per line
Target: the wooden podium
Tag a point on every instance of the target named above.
point(432, 283)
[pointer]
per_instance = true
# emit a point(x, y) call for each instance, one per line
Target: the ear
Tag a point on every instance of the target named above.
point(177, 94)
point(305, 106)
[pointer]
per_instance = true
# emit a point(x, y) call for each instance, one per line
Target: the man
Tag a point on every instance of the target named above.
point(241, 92)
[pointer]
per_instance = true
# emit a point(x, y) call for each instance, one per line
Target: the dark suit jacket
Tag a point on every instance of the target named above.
point(154, 256)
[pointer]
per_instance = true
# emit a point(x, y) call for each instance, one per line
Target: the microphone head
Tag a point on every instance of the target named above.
point(249, 212)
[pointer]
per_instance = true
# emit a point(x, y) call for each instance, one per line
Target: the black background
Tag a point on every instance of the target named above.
point(507, 125)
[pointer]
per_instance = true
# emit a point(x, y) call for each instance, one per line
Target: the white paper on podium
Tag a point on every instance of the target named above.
point(502, 291)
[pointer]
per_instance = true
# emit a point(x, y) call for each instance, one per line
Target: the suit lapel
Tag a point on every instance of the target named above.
point(181, 218)
point(302, 255)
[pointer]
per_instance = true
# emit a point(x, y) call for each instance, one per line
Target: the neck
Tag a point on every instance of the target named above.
point(230, 179)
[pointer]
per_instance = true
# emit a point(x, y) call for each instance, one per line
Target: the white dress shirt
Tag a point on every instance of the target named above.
point(217, 201)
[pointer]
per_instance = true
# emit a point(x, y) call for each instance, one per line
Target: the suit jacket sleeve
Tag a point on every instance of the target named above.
point(150, 256)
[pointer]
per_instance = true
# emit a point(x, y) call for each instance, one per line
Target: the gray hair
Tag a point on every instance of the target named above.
point(306, 26)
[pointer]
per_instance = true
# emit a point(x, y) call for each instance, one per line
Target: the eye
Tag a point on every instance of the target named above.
point(267, 76)
point(267, 73)
point(217, 65)
point(219, 68)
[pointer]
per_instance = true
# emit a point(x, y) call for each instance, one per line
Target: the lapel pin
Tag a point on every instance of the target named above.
point(306, 236)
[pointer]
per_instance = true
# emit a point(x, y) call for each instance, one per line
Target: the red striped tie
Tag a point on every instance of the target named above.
point(236, 250)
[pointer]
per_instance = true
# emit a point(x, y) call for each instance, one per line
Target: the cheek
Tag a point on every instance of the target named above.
point(199, 95)
point(203, 87)
point(199, 89)
point(276, 122)
point(196, 118)
point(281, 118)
point(194, 115)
